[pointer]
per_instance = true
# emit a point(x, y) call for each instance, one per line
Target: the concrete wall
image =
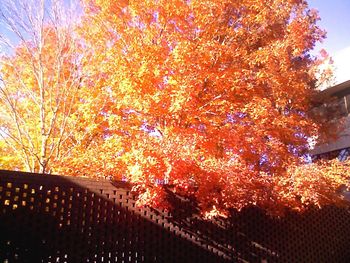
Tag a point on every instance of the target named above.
point(336, 105)
point(342, 141)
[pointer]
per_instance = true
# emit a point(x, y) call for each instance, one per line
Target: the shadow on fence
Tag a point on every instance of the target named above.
point(66, 219)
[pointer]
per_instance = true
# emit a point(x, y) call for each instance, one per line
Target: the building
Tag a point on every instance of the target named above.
point(336, 104)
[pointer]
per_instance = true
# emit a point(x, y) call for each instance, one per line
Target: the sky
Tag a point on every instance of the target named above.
point(335, 19)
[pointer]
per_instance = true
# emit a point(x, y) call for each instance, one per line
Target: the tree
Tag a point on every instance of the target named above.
point(209, 99)
point(41, 74)
point(212, 98)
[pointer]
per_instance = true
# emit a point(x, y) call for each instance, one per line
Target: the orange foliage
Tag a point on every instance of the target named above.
point(208, 97)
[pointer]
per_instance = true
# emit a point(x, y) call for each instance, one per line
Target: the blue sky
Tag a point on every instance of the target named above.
point(335, 19)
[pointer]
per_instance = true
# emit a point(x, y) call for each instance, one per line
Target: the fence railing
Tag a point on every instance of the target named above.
point(67, 219)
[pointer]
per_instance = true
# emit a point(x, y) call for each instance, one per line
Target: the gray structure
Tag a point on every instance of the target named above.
point(336, 104)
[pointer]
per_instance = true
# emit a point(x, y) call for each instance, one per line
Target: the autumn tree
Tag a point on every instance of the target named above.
point(211, 98)
point(41, 78)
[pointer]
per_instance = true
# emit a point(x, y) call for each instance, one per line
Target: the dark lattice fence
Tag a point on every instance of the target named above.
point(66, 219)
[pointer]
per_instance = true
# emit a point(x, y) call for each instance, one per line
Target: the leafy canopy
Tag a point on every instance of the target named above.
point(211, 98)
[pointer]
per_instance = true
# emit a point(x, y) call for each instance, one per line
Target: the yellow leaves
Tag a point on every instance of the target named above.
point(125, 87)
point(136, 174)
point(144, 68)
point(11, 160)
point(156, 72)
point(214, 212)
point(172, 81)
point(41, 96)
point(314, 184)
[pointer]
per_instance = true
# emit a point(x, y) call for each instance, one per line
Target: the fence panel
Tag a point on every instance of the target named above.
point(65, 219)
